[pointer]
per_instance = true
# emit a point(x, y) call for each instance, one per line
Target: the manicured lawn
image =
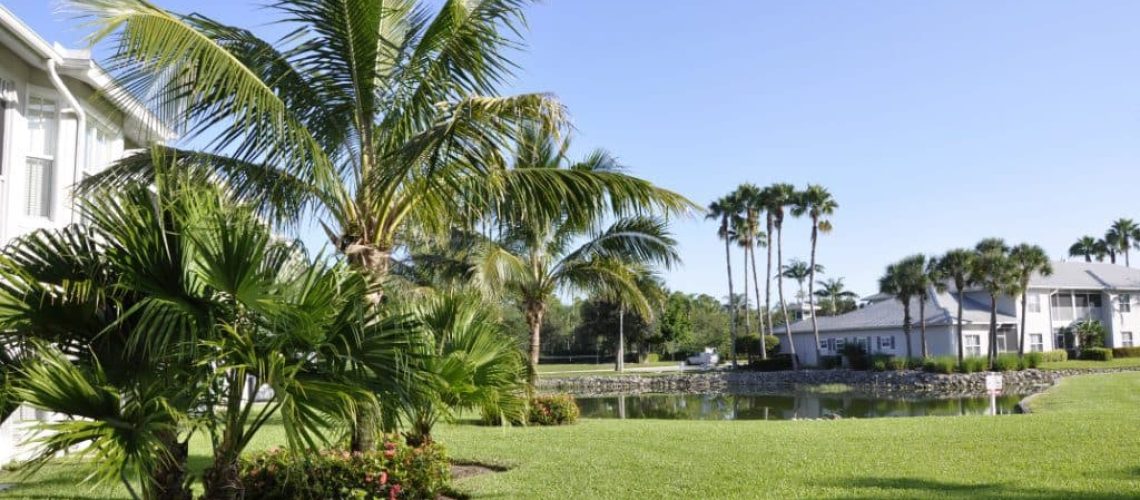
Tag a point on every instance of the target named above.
point(1080, 363)
point(1083, 441)
point(594, 369)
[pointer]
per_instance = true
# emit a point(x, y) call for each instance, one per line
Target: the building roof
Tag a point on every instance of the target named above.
point(941, 309)
point(1089, 275)
point(79, 65)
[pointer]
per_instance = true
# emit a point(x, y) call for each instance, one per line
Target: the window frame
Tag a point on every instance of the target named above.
point(1124, 303)
point(1039, 344)
point(47, 209)
point(967, 345)
point(1129, 342)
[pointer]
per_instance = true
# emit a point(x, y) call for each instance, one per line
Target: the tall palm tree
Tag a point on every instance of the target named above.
point(725, 209)
point(379, 122)
point(1027, 260)
point(800, 271)
point(834, 292)
point(932, 280)
point(1085, 247)
point(957, 265)
point(1127, 232)
point(817, 202)
point(749, 195)
point(776, 198)
point(1109, 245)
point(741, 236)
point(903, 280)
point(993, 271)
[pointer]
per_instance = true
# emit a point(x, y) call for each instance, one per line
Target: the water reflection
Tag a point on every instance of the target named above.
point(781, 407)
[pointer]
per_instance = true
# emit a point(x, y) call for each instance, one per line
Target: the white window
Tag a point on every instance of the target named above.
point(973, 345)
point(887, 343)
point(42, 125)
point(1033, 303)
point(839, 343)
point(823, 344)
point(100, 147)
point(1063, 307)
point(1125, 339)
point(1036, 342)
point(1001, 342)
point(1125, 303)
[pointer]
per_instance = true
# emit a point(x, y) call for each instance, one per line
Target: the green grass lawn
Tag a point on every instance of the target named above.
point(1082, 441)
point(594, 369)
point(1081, 363)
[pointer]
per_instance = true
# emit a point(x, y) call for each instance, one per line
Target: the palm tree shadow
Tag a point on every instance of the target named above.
point(928, 488)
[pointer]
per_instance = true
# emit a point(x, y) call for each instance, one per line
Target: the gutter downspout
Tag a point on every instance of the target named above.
point(80, 126)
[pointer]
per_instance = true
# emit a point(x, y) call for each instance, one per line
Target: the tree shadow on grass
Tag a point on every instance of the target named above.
point(923, 488)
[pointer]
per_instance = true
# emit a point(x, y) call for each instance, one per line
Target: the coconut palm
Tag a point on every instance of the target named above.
point(775, 199)
point(1027, 260)
point(648, 288)
point(957, 266)
point(903, 280)
point(1127, 233)
point(993, 271)
point(725, 209)
point(834, 292)
point(819, 205)
point(1085, 247)
point(379, 122)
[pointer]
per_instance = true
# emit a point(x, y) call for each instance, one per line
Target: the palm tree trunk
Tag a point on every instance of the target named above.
point(811, 287)
point(906, 329)
point(747, 316)
point(619, 363)
point(993, 331)
point(534, 313)
point(922, 323)
point(768, 280)
point(168, 480)
point(1021, 334)
point(961, 356)
point(731, 305)
point(760, 315)
point(783, 303)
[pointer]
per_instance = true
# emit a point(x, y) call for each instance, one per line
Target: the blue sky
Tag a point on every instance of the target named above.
point(934, 123)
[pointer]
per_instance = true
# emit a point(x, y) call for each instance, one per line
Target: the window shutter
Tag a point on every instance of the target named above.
point(38, 190)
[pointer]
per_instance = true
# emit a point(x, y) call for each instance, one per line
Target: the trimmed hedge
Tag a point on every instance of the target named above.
point(1007, 363)
point(394, 471)
point(1054, 356)
point(1097, 354)
point(560, 409)
point(1126, 352)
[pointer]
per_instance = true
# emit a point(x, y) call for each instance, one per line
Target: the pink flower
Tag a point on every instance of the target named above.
point(383, 478)
point(389, 453)
point(394, 492)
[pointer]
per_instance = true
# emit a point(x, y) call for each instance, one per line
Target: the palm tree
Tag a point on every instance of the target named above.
point(740, 235)
point(1027, 260)
point(749, 195)
point(931, 279)
point(993, 271)
point(903, 280)
point(380, 122)
point(834, 291)
point(1085, 247)
point(800, 271)
point(957, 265)
point(1109, 245)
point(775, 199)
point(1127, 233)
point(649, 289)
point(819, 205)
point(725, 209)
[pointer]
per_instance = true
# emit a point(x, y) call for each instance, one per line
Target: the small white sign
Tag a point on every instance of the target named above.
point(993, 383)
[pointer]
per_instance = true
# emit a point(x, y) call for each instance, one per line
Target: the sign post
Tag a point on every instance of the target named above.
point(993, 387)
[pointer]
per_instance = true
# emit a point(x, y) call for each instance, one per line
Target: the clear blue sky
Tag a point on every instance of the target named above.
point(933, 123)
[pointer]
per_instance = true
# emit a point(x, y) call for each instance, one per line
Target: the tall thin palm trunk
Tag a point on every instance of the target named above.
point(907, 328)
point(922, 323)
point(961, 351)
point(993, 331)
point(731, 306)
point(768, 280)
point(811, 287)
point(759, 315)
point(534, 313)
point(747, 314)
point(784, 303)
point(619, 363)
point(1021, 331)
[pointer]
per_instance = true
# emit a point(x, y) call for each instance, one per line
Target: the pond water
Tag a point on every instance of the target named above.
point(781, 407)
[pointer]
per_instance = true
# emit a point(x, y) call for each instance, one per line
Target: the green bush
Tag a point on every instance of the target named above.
point(1007, 363)
point(1032, 360)
point(898, 363)
point(394, 471)
point(1054, 356)
point(830, 362)
point(779, 362)
point(940, 364)
point(974, 364)
point(1126, 352)
point(1096, 354)
point(559, 409)
point(652, 357)
point(880, 362)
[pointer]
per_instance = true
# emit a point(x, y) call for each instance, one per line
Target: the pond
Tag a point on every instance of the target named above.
point(781, 407)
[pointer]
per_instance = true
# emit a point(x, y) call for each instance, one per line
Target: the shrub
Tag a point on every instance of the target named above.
point(559, 409)
point(1007, 363)
point(940, 364)
point(974, 364)
point(898, 363)
point(394, 471)
point(1097, 354)
point(652, 357)
point(1054, 356)
point(1126, 352)
point(880, 362)
point(775, 363)
point(830, 362)
point(1033, 359)
point(856, 356)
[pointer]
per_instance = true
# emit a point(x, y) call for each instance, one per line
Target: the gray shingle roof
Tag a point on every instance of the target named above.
point(1089, 275)
point(941, 309)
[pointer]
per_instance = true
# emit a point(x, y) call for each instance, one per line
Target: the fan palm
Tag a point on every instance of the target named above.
point(800, 271)
point(932, 280)
point(1085, 247)
point(903, 280)
point(1127, 233)
point(724, 210)
point(993, 271)
point(819, 205)
point(835, 292)
point(957, 266)
point(749, 194)
point(775, 199)
point(742, 236)
point(1027, 260)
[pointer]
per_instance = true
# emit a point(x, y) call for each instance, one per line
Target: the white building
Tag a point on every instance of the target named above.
point(61, 118)
point(1076, 291)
